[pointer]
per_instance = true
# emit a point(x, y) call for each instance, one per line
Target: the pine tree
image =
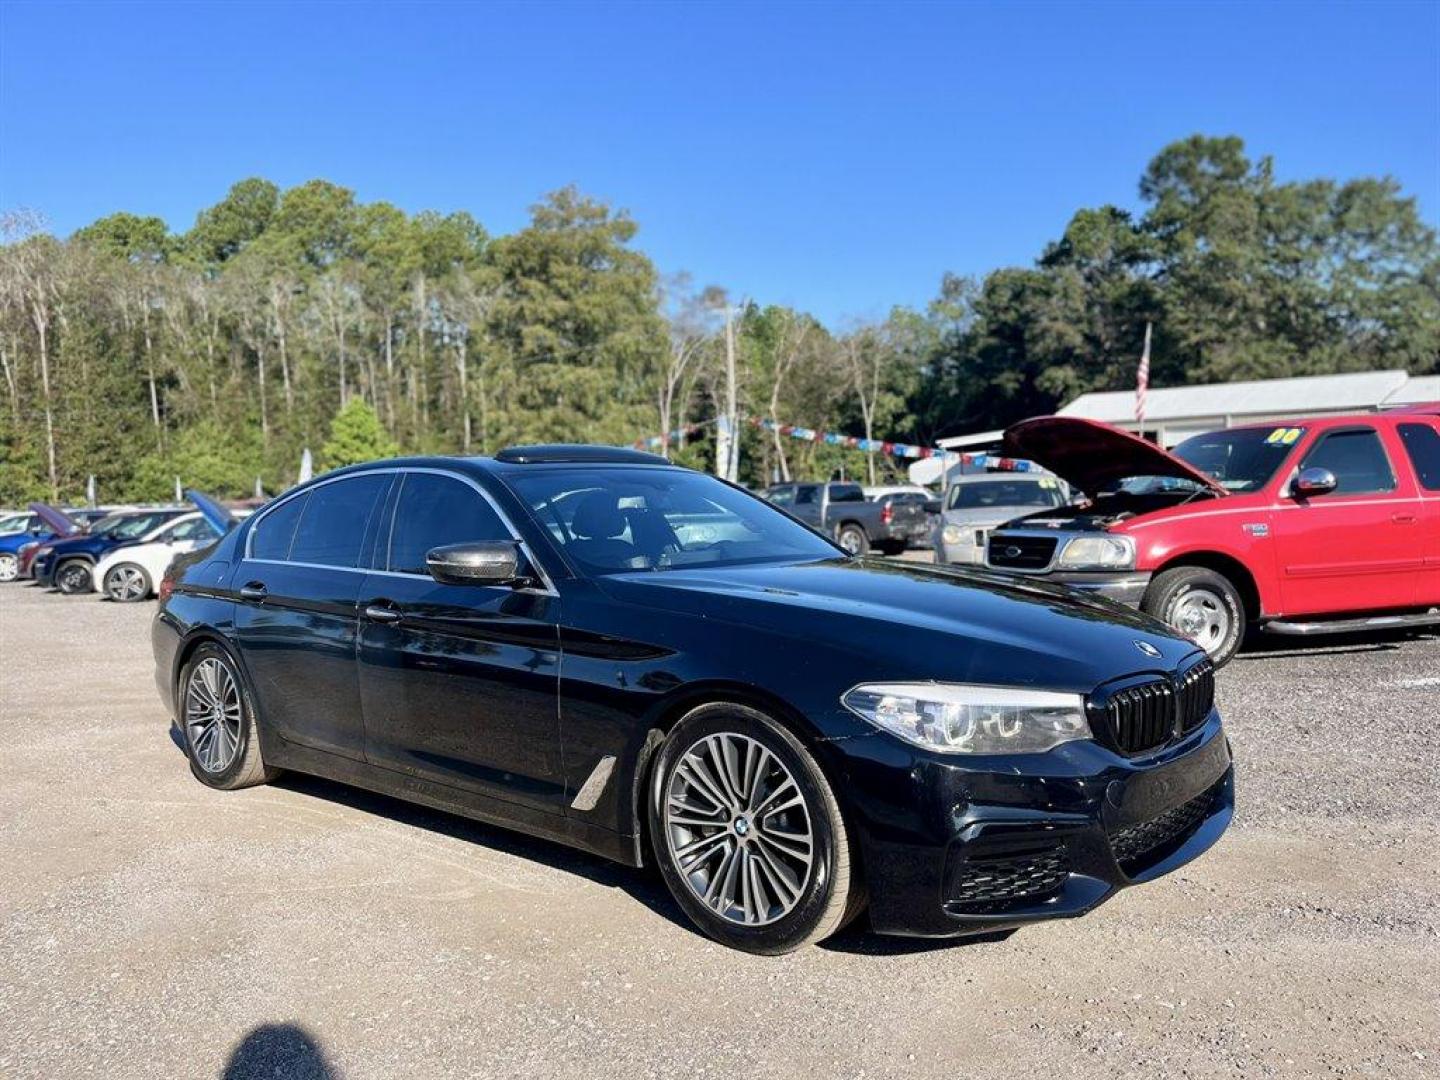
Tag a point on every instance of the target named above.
point(356, 435)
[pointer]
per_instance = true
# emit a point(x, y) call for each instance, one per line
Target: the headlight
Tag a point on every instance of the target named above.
point(959, 719)
point(1099, 553)
point(954, 534)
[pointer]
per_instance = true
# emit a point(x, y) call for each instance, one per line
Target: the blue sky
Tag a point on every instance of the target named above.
point(838, 157)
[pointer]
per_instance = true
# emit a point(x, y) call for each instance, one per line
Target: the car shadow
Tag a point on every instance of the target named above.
point(858, 939)
point(642, 884)
point(1276, 646)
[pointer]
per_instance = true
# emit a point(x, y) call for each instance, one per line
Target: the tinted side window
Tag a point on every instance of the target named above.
point(846, 493)
point(1422, 444)
point(806, 494)
point(198, 529)
point(272, 534)
point(1356, 458)
point(436, 510)
point(784, 496)
point(332, 529)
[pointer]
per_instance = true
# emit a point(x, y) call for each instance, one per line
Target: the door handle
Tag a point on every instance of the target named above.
point(381, 613)
point(253, 590)
point(1403, 518)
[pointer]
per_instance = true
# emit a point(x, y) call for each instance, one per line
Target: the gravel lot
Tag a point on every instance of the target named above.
point(151, 927)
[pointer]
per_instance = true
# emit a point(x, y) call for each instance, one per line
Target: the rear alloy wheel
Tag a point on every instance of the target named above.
point(1201, 604)
point(217, 720)
point(853, 539)
point(127, 583)
point(748, 833)
point(9, 567)
point(73, 577)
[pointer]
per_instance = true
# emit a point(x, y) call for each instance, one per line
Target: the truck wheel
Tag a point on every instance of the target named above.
point(853, 539)
point(1202, 605)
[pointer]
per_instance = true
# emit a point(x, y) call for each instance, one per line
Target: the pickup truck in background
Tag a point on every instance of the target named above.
point(1308, 526)
point(841, 510)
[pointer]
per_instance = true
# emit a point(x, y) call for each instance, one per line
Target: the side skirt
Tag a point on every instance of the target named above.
point(559, 828)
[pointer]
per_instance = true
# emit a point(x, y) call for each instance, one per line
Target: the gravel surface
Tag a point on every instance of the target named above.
point(151, 927)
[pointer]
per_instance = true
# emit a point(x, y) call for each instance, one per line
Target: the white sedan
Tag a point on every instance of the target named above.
point(129, 573)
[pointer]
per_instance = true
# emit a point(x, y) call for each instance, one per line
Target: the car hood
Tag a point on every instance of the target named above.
point(219, 518)
point(907, 621)
point(59, 521)
point(1090, 455)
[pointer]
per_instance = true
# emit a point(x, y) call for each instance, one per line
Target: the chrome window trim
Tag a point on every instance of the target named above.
point(548, 590)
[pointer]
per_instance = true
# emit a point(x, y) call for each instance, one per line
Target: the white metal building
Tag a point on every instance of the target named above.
point(1175, 413)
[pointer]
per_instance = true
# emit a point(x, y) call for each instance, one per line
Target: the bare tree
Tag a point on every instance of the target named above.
point(30, 279)
point(689, 320)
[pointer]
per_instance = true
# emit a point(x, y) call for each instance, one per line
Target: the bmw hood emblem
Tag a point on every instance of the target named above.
point(1148, 649)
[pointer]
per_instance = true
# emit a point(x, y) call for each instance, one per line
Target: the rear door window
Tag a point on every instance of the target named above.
point(436, 510)
point(1422, 445)
point(846, 493)
point(806, 494)
point(333, 527)
point(273, 533)
point(1356, 458)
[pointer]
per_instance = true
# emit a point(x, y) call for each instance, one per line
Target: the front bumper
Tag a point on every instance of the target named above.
point(960, 848)
point(1127, 587)
point(42, 569)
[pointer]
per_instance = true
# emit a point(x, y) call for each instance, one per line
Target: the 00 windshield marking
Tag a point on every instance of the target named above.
point(621, 519)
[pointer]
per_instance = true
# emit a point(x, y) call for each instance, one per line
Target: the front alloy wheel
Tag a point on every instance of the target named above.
point(9, 567)
point(126, 583)
point(73, 577)
point(748, 833)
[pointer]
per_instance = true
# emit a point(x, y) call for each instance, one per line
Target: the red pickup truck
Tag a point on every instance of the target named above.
point(1292, 527)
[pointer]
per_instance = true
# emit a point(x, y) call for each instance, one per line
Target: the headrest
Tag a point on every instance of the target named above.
point(598, 517)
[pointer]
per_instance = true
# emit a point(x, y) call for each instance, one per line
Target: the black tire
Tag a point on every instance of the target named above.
point(246, 767)
point(114, 590)
point(892, 547)
point(853, 539)
point(831, 893)
point(73, 577)
point(1201, 604)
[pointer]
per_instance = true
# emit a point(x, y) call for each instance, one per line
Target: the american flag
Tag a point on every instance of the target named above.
point(1142, 379)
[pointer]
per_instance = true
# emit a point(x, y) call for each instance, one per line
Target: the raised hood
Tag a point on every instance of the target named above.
point(57, 520)
point(1090, 455)
point(220, 519)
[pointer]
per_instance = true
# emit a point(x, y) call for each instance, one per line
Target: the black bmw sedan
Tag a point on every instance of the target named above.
point(613, 652)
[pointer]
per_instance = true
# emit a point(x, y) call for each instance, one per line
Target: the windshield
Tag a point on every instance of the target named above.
point(1242, 459)
point(618, 519)
point(129, 526)
point(13, 523)
point(986, 493)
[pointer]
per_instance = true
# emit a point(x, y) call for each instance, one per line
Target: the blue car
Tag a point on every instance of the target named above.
point(47, 523)
point(66, 562)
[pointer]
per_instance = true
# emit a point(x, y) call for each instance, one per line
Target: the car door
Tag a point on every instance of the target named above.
point(459, 683)
point(296, 616)
point(809, 506)
point(1421, 441)
point(187, 535)
point(1356, 548)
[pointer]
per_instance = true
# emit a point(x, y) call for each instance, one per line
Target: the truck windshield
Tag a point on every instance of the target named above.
point(976, 496)
point(1242, 459)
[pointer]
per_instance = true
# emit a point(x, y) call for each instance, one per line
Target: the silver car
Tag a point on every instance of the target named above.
point(975, 504)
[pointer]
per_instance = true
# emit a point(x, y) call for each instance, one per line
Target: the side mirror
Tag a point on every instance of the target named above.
point(1312, 482)
point(485, 562)
point(932, 506)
